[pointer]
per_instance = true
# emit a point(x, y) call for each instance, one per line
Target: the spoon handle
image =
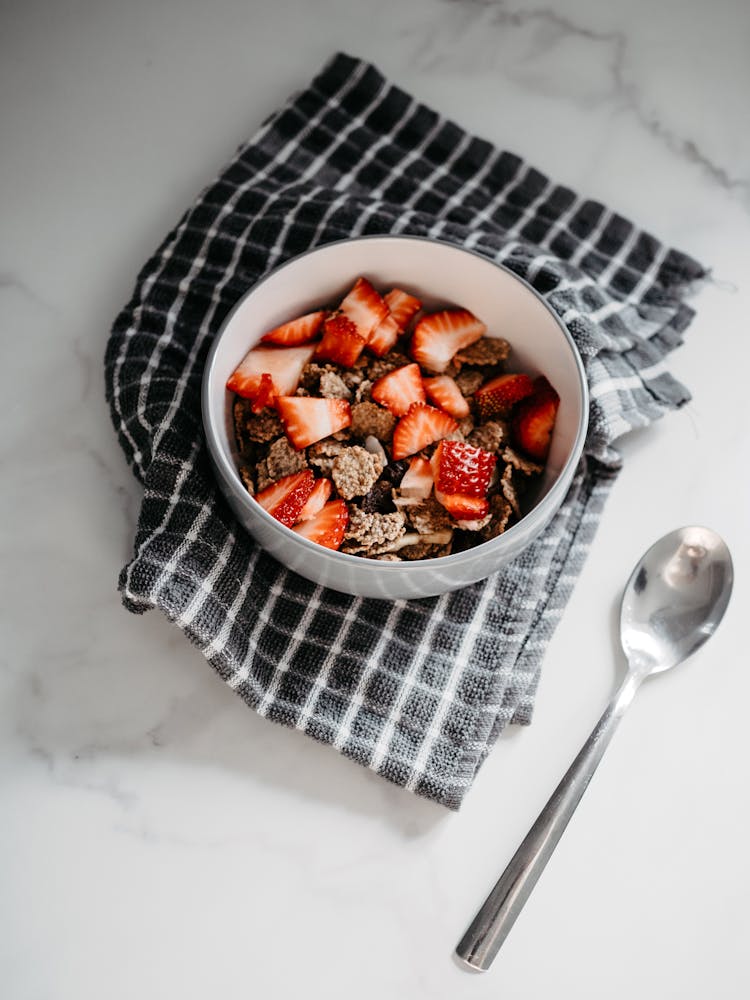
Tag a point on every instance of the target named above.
point(498, 913)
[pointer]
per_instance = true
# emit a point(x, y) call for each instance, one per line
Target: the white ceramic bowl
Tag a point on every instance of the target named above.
point(441, 275)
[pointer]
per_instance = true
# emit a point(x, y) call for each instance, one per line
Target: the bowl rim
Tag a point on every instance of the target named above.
point(539, 514)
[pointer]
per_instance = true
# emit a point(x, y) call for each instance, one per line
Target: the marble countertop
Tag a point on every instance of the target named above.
point(157, 838)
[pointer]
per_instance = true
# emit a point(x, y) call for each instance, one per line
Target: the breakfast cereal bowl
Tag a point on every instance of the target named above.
point(443, 277)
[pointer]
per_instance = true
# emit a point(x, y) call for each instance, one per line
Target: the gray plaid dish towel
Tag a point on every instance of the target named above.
point(416, 690)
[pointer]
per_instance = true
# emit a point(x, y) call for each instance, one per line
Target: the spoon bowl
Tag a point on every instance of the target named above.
point(673, 602)
point(675, 598)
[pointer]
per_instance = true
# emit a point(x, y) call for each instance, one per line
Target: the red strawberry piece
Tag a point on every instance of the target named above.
point(266, 394)
point(285, 498)
point(417, 480)
point(403, 306)
point(439, 336)
point(328, 526)
point(534, 419)
point(308, 419)
point(497, 397)
point(297, 331)
point(383, 337)
point(399, 389)
point(365, 307)
point(283, 364)
point(316, 500)
point(443, 392)
point(341, 342)
point(462, 476)
point(421, 426)
point(462, 468)
point(462, 507)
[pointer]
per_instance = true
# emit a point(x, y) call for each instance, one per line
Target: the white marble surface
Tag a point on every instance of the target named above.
point(156, 838)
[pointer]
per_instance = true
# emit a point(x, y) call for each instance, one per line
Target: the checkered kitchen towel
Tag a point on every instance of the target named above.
point(416, 690)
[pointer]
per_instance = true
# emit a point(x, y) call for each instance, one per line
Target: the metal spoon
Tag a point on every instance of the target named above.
point(673, 601)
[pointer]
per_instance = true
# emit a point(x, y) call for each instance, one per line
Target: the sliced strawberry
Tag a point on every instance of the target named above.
point(497, 397)
point(462, 477)
point(285, 498)
point(399, 389)
point(439, 336)
point(383, 337)
point(417, 480)
point(266, 394)
point(534, 420)
point(421, 426)
point(283, 364)
point(321, 492)
point(444, 392)
point(403, 306)
point(364, 307)
point(297, 331)
point(462, 507)
point(328, 526)
point(308, 419)
point(461, 468)
point(341, 342)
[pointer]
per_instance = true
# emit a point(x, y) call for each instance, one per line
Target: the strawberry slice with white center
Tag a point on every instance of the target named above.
point(316, 500)
point(283, 364)
point(403, 306)
point(383, 337)
point(399, 389)
point(462, 478)
point(328, 526)
point(443, 392)
point(365, 307)
point(297, 331)
point(417, 480)
point(266, 394)
point(341, 343)
point(285, 498)
point(535, 418)
point(497, 397)
point(440, 335)
point(421, 426)
point(308, 419)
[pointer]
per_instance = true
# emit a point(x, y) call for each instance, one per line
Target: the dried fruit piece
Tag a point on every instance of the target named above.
point(341, 342)
point(315, 502)
point(283, 364)
point(439, 336)
point(462, 477)
point(443, 392)
point(285, 498)
point(421, 426)
point(308, 419)
point(328, 526)
point(417, 481)
point(297, 331)
point(497, 397)
point(365, 307)
point(403, 306)
point(399, 389)
point(535, 419)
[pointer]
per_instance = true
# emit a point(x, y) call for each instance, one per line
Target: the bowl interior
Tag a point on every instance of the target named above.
point(442, 276)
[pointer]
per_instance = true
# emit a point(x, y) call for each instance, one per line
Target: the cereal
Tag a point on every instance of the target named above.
point(371, 419)
point(283, 460)
point(355, 471)
point(474, 468)
point(371, 531)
